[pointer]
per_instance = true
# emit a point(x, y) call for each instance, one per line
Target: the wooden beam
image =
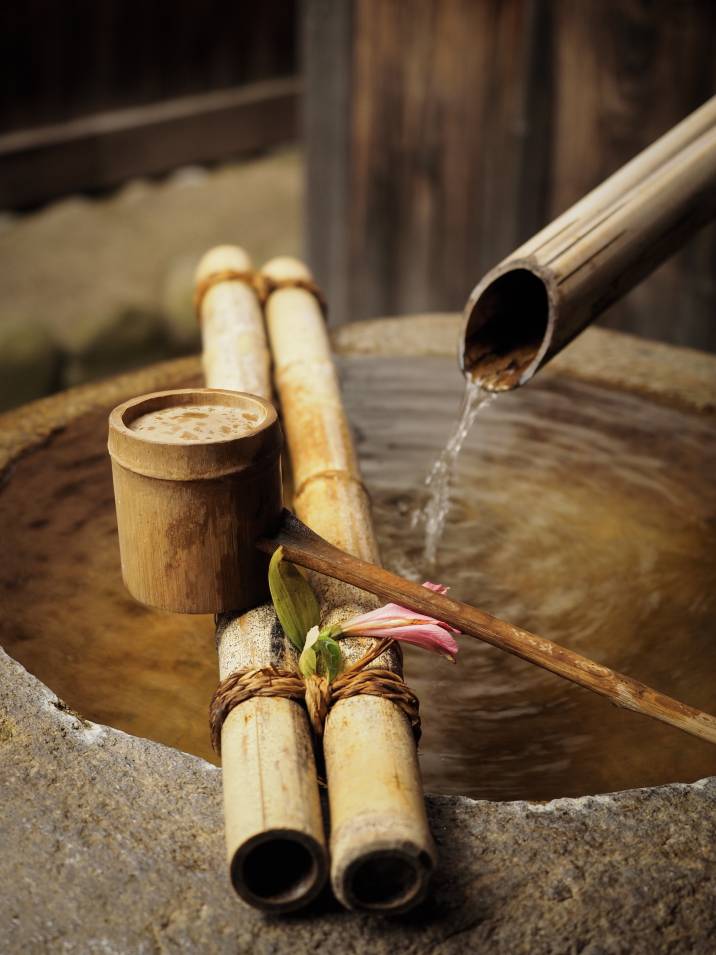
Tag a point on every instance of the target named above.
point(100, 151)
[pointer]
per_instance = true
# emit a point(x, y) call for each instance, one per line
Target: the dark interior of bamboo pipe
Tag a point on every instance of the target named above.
point(277, 871)
point(505, 330)
point(384, 881)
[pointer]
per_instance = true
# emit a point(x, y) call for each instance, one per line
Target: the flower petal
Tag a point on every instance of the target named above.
point(400, 623)
point(428, 635)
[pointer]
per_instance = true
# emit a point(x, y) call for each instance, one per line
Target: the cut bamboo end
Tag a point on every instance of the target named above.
point(382, 853)
point(509, 326)
point(275, 837)
point(537, 300)
point(275, 844)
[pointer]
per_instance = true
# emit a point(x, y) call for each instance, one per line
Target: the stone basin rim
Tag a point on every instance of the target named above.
point(59, 710)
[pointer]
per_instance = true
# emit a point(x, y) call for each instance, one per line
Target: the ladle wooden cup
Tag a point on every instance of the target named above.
point(197, 478)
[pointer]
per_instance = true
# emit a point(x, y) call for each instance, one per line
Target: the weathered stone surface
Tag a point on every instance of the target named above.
point(114, 844)
point(89, 256)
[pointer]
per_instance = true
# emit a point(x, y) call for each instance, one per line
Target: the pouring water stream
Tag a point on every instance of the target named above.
point(433, 514)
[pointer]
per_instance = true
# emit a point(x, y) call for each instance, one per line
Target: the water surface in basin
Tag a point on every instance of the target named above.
point(585, 515)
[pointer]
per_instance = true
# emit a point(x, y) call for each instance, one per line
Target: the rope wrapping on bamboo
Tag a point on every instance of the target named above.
point(315, 692)
point(262, 285)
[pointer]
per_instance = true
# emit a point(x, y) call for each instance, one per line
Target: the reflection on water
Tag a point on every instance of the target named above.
point(584, 515)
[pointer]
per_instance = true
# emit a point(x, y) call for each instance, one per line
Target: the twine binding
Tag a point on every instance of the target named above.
point(262, 285)
point(315, 692)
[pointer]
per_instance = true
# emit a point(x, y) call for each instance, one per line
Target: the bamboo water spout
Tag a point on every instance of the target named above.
point(524, 311)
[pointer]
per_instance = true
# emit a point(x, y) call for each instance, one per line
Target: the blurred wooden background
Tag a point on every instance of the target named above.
point(443, 133)
point(94, 92)
point(439, 134)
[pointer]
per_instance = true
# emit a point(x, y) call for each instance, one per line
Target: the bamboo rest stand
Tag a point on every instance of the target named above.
point(524, 311)
point(382, 851)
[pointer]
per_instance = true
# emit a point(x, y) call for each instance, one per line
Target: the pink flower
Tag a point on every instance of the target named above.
point(399, 623)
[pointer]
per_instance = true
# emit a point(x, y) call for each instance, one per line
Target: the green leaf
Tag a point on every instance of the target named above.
point(329, 654)
point(307, 663)
point(295, 602)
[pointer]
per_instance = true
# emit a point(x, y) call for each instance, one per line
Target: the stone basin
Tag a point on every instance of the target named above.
point(113, 842)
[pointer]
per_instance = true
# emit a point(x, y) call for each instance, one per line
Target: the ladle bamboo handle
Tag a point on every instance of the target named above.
point(302, 546)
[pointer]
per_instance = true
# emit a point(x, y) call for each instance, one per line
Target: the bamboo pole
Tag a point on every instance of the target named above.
point(235, 351)
point(382, 853)
point(523, 312)
point(274, 828)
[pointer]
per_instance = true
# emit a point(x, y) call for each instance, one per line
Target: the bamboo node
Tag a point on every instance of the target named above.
point(247, 276)
point(262, 285)
point(308, 285)
point(315, 692)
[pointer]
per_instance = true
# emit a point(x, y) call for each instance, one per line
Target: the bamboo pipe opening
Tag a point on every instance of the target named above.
point(386, 880)
point(507, 328)
point(279, 870)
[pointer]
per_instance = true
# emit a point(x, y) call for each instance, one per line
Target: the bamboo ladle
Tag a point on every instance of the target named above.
point(302, 546)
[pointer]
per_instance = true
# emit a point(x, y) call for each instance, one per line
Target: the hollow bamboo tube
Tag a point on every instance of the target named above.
point(382, 853)
point(275, 837)
point(532, 304)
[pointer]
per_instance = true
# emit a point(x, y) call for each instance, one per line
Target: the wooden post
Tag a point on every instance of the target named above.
point(274, 827)
point(382, 853)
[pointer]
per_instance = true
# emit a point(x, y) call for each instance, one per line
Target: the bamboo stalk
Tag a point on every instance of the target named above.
point(523, 312)
point(235, 351)
point(382, 853)
point(274, 828)
point(302, 546)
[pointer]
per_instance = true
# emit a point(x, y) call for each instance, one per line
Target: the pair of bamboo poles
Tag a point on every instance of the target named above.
point(381, 850)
